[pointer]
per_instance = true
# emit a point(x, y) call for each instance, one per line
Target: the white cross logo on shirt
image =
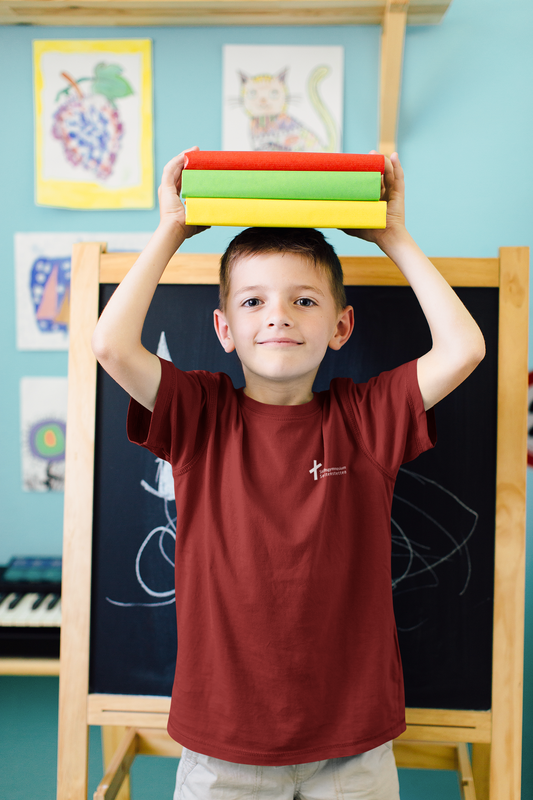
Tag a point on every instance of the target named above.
point(315, 469)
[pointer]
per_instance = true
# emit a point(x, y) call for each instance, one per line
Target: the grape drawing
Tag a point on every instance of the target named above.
point(89, 126)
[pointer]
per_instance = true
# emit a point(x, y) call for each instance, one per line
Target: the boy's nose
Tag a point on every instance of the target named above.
point(279, 316)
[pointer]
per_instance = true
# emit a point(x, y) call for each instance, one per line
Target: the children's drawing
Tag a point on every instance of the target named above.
point(93, 123)
point(42, 266)
point(282, 98)
point(265, 99)
point(43, 413)
point(50, 293)
point(89, 125)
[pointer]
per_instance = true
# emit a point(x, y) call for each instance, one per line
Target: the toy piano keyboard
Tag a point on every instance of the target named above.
point(30, 607)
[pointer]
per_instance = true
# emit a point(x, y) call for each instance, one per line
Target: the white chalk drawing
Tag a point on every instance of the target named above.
point(161, 532)
point(282, 98)
point(435, 543)
point(165, 490)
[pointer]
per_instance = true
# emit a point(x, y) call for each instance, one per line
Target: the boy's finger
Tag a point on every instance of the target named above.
point(387, 179)
point(171, 165)
point(389, 169)
point(398, 169)
point(172, 170)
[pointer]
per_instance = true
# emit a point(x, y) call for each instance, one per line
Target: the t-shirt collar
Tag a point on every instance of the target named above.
point(287, 412)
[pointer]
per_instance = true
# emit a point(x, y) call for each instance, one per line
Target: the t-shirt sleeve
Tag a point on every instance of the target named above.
point(176, 429)
point(390, 418)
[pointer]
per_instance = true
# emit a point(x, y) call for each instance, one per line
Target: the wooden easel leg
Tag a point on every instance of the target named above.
point(509, 552)
point(481, 770)
point(73, 739)
point(112, 735)
point(464, 769)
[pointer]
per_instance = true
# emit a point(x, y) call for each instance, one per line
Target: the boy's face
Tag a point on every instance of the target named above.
point(281, 317)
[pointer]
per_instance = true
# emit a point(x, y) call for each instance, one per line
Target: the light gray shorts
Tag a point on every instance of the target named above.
point(369, 776)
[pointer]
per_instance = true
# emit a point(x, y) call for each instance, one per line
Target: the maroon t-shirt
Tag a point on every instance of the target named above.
point(287, 646)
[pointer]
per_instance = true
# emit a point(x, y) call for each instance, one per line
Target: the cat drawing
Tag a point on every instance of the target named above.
point(265, 99)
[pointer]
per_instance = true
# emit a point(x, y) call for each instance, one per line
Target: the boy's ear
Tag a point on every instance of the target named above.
point(222, 330)
point(344, 329)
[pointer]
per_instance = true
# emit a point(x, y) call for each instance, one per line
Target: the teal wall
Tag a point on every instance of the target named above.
point(464, 139)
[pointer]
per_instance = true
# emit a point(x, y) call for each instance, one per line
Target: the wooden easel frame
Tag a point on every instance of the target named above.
point(435, 738)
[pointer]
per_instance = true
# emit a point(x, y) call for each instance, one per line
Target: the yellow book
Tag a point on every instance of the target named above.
point(243, 212)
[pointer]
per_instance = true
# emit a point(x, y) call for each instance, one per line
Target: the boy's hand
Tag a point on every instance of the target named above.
point(171, 209)
point(393, 191)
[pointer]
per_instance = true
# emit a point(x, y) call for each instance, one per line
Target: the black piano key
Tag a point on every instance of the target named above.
point(53, 602)
point(16, 600)
point(37, 602)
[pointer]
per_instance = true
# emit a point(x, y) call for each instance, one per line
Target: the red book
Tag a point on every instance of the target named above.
point(270, 160)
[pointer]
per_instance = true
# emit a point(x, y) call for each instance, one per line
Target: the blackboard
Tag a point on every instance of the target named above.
point(443, 518)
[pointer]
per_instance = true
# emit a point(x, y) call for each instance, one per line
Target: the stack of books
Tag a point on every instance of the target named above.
point(283, 190)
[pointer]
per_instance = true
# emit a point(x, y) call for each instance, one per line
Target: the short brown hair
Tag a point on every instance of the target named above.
point(306, 242)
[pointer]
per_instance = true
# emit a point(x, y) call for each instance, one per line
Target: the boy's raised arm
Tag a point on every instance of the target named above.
point(116, 341)
point(457, 342)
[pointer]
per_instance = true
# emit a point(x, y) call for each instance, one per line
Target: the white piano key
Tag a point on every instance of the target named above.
point(20, 615)
point(4, 605)
point(43, 616)
point(53, 616)
point(23, 615)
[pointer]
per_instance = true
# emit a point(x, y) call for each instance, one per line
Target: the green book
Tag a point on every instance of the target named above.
point(281, 184)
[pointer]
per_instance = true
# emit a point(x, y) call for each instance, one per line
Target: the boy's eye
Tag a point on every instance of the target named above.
point(251, 302)
point(305, 301)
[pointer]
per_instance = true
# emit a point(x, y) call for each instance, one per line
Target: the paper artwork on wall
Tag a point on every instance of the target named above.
point(93, 123)
point(43, 415)
point(282, 98)
point(42, 274)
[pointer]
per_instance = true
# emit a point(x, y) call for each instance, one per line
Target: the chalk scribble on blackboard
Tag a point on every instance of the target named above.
point(164, 490)
point(440, 526)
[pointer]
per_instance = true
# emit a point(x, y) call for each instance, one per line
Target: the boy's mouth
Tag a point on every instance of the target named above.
point(280, 340)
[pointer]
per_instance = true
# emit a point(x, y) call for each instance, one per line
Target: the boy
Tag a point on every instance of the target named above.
point(288, 679)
